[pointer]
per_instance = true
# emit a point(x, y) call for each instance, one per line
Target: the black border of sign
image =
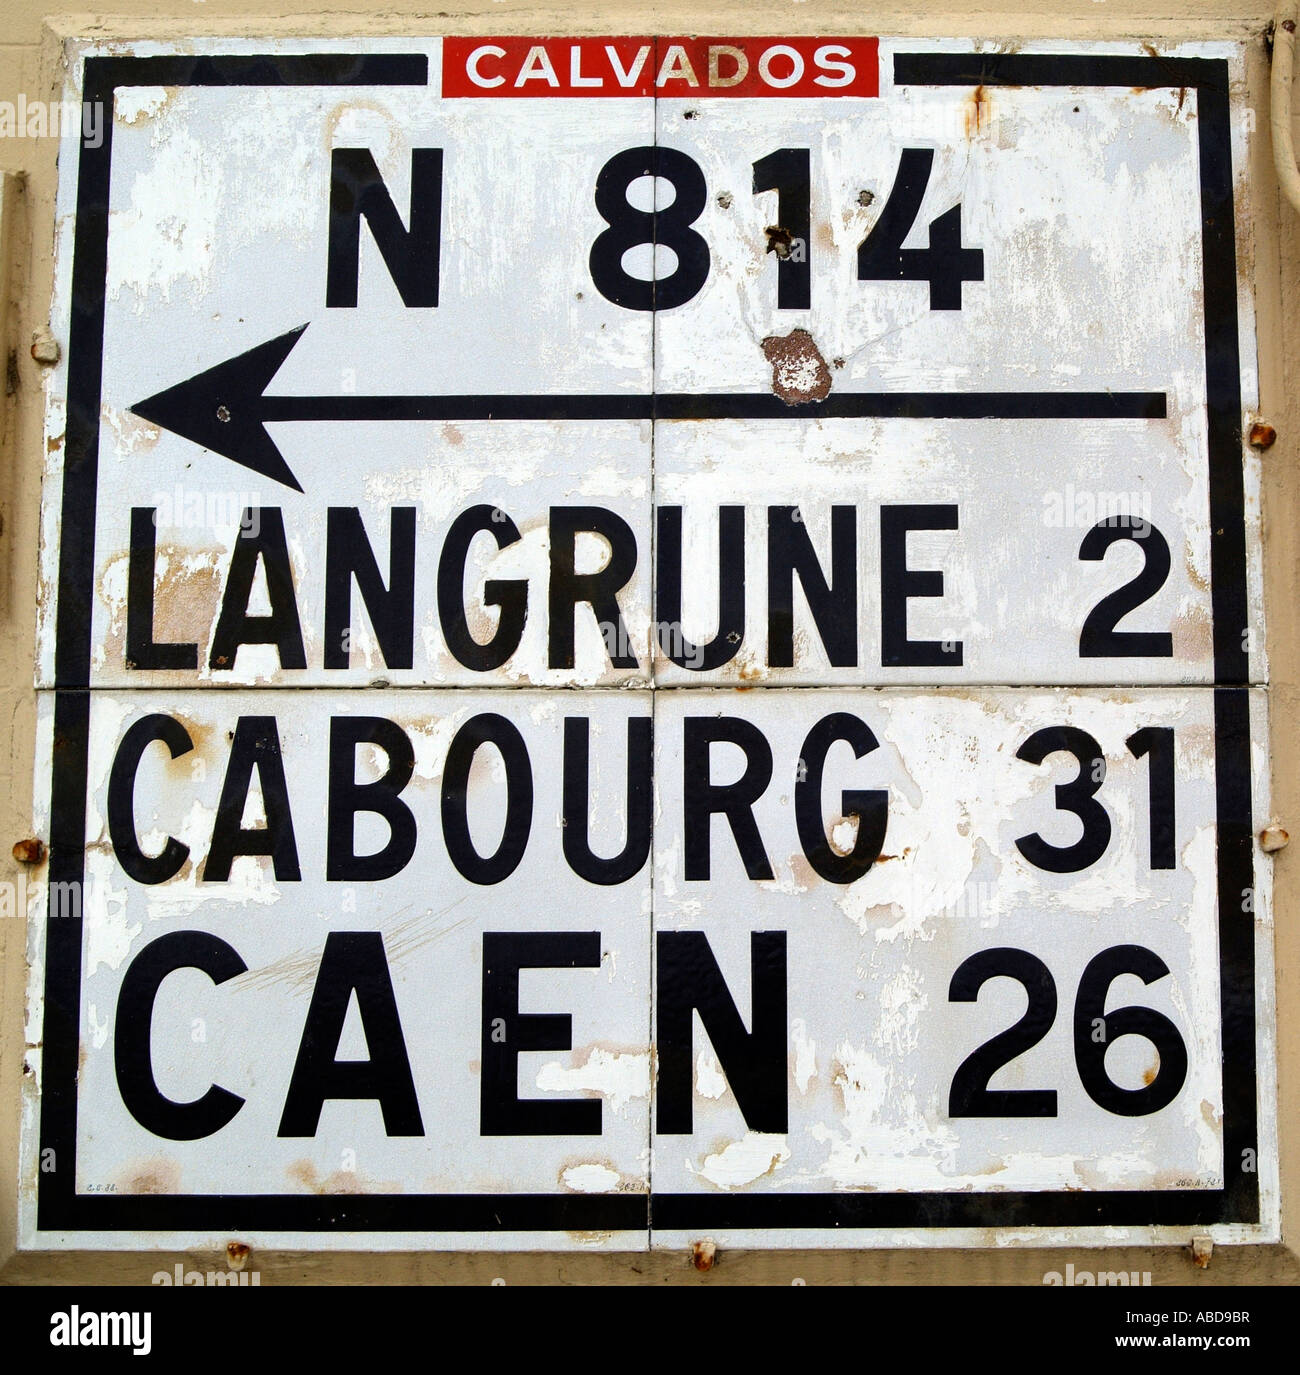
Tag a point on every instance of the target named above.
point(61, 1208)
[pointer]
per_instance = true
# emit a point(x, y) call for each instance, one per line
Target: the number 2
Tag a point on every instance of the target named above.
point(970, 1095)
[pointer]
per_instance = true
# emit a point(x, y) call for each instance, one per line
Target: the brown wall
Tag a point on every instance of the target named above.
point(30, 63)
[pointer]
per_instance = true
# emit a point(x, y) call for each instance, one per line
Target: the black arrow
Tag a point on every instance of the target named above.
point(226, 408)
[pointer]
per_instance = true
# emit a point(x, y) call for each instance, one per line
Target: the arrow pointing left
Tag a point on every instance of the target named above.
point(226, 408)
point(223, 409)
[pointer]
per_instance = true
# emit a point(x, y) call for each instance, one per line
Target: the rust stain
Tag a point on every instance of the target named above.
point(185, 598)
point(482, 624)
point(131, 433)
point(29, 851)
point(803, 873)
point(799, 372)
point(156, 1176)
point(902, 854)
point(1195, 577)
point(1273, 838)
point(201, 735)
point(1149, 1074)
point(1192, 634)
point(303, 1173)
point(779, 241)
point(976, 116)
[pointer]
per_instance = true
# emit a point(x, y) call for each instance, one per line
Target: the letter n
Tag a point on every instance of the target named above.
point(410, 254)
point(754, 1061)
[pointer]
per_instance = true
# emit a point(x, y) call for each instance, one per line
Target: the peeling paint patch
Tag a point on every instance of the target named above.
point(710, 1082)
point(132, 104)
point(742, 1162)
point(799, 372)
point(591, 1178)
point(805, 1054)
point(618, 1077)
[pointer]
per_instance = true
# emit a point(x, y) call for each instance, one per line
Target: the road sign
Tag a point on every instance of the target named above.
point(652, 632)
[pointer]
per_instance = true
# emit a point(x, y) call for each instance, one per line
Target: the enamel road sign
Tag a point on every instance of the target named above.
point(651, 633)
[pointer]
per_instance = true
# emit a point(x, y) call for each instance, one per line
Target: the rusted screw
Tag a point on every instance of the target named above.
point(236, 1254)
point(703, 1255)
point(29, 851)
point(1202, 1250)
point(866, 197)
point(223, 414)
point(45, 348)
point(1262, 435)
point(1273, 837)
point(779, 240)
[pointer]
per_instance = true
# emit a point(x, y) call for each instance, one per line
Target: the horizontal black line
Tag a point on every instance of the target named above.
point(1056, 69)
point(633, 1212)
point(616, 1212)
point(1155, 1207)
point(162, 683)
point(726, 406)
point(104, 74)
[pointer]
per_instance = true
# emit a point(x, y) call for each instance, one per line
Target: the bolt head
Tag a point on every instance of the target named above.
point(45, 348)
point(29, 851)
point(1262, 435)
point(1273, 837)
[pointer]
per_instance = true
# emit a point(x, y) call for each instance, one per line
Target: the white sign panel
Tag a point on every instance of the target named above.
point(763, 533)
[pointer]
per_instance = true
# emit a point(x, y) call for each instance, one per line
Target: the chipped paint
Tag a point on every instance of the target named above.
point(742, 1162)
point(1091, 247)
point(590, 1178)
point(799, 372)
point(618, 1077)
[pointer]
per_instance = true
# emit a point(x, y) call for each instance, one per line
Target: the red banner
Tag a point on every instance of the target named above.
point(689, 68)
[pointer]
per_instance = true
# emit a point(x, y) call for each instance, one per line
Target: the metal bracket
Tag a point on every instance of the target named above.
point(1288, 174)
point(8, 233)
